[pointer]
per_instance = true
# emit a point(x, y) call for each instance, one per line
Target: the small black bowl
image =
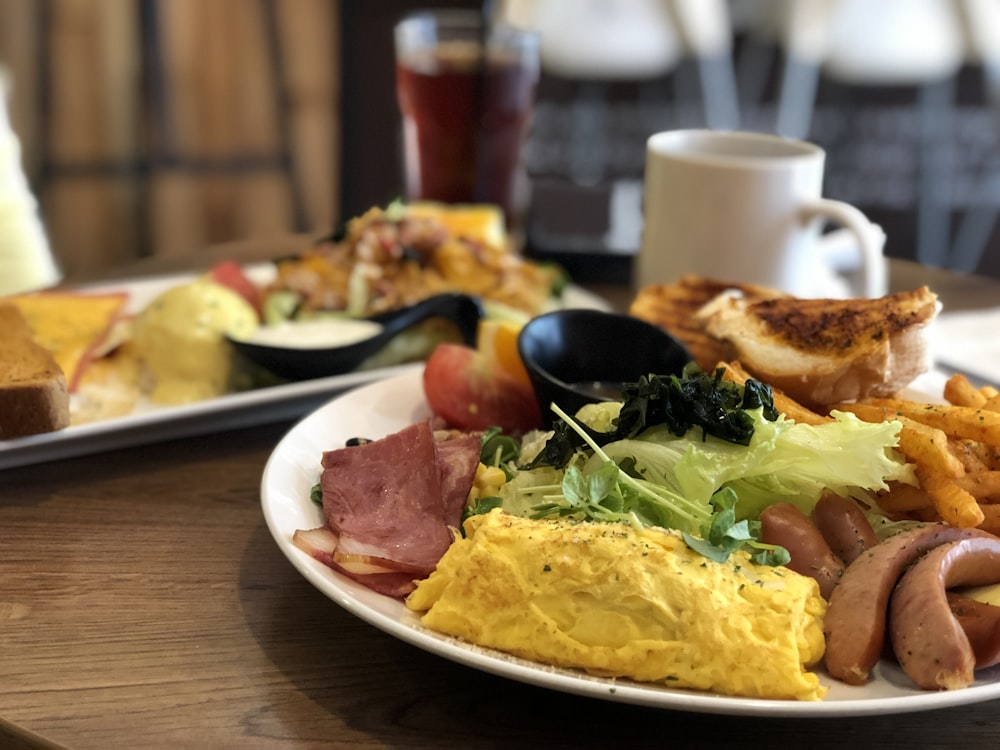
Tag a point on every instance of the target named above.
point(581, 356)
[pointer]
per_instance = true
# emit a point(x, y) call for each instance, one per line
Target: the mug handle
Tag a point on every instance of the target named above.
point(870, 239)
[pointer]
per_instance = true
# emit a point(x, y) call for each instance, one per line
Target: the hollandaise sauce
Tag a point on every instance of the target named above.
point(321, 333)
point(180, 337)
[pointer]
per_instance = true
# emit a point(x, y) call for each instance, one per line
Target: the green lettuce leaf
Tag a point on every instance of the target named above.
point(784, 461)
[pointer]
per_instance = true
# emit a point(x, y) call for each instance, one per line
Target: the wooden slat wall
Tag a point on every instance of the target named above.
point(17, 55)
point(162, 126)
point(88, 63)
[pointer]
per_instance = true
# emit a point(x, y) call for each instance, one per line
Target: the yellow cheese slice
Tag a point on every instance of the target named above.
point(69, 324)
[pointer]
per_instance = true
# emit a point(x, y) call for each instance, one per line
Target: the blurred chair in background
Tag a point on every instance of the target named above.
point(889, 43)
point(917, 45)
point(981, 24)
point(592, 43)
point(613, 73)
point(914, 43)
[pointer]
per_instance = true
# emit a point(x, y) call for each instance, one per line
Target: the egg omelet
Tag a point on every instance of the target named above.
point(623, 602)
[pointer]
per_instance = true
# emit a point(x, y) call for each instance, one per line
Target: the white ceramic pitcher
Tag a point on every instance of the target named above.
point(26, 261)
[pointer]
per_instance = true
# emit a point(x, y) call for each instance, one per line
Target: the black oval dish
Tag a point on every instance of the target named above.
point(305, 364)
point(566, 350)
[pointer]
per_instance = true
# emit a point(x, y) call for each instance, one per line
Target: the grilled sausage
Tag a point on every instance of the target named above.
point(786, 525)
point(981, 624)
point(927, 638)
point(855, 618)
point(844, 526)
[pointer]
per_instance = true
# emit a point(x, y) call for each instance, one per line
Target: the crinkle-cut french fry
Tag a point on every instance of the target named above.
point(974, 456)
point(920, 443)
point(991, 519)
point(792, 409)
point(955, 421)
point(903, 498)
point(982, 485)
point(955, 505)
point(960, 392)
point(988, 455)
point(928, 445)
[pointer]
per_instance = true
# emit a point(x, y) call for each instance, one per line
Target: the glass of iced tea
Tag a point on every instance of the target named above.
point(466, 91)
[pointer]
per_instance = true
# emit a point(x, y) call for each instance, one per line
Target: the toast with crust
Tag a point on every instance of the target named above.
point(33, 394)
point(674, 307)
point(817, 351)
point(825, 351)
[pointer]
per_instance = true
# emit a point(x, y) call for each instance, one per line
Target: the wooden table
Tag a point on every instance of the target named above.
point(144, 604)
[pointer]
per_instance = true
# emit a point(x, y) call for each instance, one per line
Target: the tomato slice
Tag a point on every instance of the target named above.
point(231, 275)
point(467, 391)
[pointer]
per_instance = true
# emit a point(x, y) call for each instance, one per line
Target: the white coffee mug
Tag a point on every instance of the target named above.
point(747, 207)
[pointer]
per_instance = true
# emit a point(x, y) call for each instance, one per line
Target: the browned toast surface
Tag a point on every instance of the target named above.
point(839, 327)
point(674, 308)
point(33, 394)
point(817, 351)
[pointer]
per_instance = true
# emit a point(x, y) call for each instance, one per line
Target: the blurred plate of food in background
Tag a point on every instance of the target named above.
point(156, 363)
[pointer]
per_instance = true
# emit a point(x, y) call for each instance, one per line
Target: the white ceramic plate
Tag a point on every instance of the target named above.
point(384, 407)
point(150, 423)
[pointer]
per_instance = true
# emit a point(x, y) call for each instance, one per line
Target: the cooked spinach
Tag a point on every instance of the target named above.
point(693, 399)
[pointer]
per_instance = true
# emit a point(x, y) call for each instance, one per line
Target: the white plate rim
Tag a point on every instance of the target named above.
point(378, 408)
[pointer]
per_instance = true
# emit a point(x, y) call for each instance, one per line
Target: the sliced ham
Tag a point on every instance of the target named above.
point(390, 506)
point(317, 543)
point(321, 544)
point(383, 499)
point(458, 459)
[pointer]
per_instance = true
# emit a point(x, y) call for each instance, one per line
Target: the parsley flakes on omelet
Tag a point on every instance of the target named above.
point(618, 601)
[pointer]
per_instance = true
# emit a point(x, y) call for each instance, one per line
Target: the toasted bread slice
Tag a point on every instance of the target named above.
point(673, 307)
point(70, 325)
point(33, 394)
point(822, 351)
